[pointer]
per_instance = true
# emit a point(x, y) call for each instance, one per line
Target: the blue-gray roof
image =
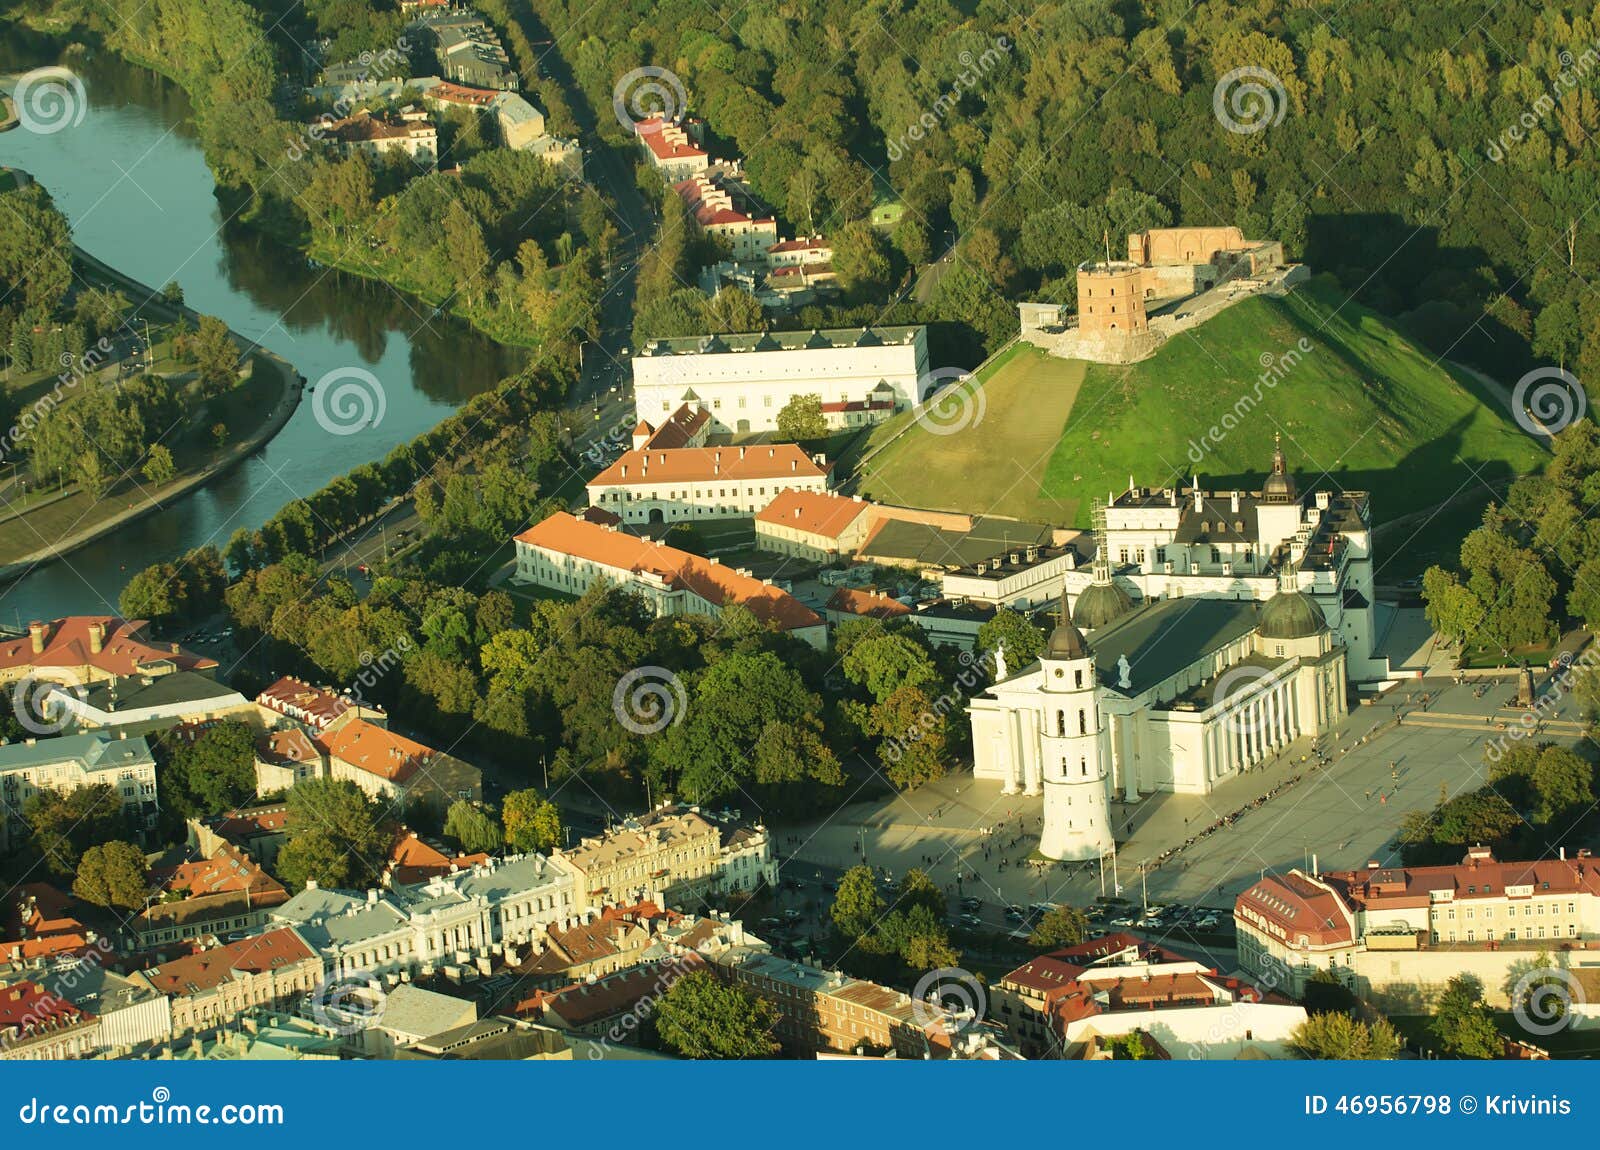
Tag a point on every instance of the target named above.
point(93, 752)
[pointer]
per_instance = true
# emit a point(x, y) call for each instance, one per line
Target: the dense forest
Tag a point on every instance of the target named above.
point(1433, 158)
point(1388, 154)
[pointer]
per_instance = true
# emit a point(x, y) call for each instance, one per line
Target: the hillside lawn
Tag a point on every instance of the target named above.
point(995, 464)
point(1363, 409)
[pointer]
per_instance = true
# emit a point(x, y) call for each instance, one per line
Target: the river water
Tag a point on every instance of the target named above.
point(131, 178)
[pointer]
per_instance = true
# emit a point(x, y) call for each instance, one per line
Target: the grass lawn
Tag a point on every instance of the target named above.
point(1363, 408)
point(1017, 408)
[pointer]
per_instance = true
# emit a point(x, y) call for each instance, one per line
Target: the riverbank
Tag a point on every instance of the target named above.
point(288, 384)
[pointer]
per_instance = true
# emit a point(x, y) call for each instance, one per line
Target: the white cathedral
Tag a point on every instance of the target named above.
point(1185, 689)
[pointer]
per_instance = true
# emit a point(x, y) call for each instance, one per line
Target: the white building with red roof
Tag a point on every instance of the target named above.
point(685, 484)
point(213, 985)
point(1391, 927)
point(567, 554)
point(712, 203)
point(814, 525)
point(672, 145)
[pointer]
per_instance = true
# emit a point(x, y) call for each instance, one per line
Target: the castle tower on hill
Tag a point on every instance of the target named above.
point(1077, 814)
point(1111, 298)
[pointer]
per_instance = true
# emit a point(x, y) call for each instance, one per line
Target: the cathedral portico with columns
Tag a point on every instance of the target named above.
point(1173, 696)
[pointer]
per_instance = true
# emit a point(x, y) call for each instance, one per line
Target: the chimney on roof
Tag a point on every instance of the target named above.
point(794, 465)
point(1234, 502)
point(97, 637)
point(741, 453)
point(36, 634)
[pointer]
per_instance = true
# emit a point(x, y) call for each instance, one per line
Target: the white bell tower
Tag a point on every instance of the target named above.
point(1077, 810)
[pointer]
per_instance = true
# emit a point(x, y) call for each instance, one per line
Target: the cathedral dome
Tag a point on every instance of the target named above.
point(1291, 615)
point(1099, 605)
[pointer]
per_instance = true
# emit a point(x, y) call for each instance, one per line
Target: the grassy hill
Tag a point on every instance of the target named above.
point(1362, 408)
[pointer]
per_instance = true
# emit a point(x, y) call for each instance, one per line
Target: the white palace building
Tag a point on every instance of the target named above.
point(744, 381)
point(1209, 675)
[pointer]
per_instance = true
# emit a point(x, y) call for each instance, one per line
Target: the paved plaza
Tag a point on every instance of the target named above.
point(967, 832)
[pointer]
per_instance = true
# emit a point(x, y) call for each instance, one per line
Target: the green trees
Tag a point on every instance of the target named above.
point(532, 822)
point(336, 836)
point(473, 827)
point(1543, 779)
point(62, 825)
point(1023, 642)
point(112, 875)
point(159, 467)
point(1062, 926)
point(700, 1017)
point(905, 933)
point(802, 419)
point(1337, 1036)
point(1462, 1022)
point(216, 358)
point(211, 774)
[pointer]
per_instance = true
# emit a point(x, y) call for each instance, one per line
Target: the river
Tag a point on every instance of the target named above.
point(131, 178)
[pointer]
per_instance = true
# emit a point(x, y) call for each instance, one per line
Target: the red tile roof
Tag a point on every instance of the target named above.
point(41, 922)
point(412, 861)
point(449, 93)
point(1291, 907)
point(644, 466)
point(667, 139)
point(314, 706)
point(28, 1009)
point(228, 871)
point(867, 604)
point(281, 748)
point(369, 747)
point(814, 512)
point(68, 644)
point(588, 1003)
point(567, 535)
point(1479, 875)
point(212, 967)
point(815, 243)
point(679, 430)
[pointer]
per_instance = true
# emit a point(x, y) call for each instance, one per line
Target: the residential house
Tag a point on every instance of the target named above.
point(216, 984)
point(89, 648)
point(37, 1024)
point(672, 146)
point(813, 525)
point(69, 762)
point(223, 893)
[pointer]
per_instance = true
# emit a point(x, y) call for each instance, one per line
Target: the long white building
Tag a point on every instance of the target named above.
point(568, 554)
point(685, 484)
point(744, 381)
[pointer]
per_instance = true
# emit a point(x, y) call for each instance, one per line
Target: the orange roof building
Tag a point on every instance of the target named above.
point(389, 766)
point(90, 649)
point(814, 525)
point(655, 485)
point(216, 984)
point(566, 554)
point(672, 147)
